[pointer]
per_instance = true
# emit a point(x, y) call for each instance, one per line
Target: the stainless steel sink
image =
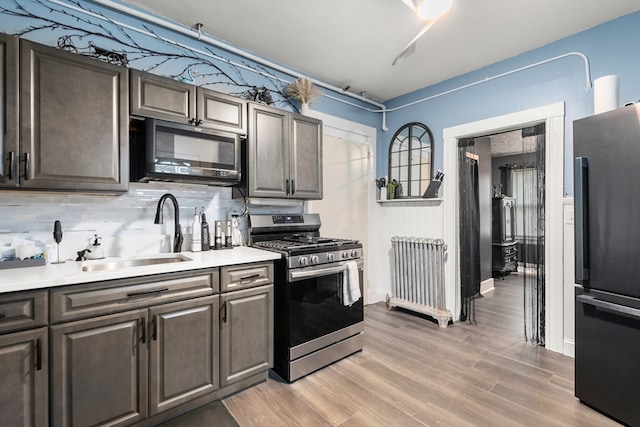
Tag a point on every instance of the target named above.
point(135, 262)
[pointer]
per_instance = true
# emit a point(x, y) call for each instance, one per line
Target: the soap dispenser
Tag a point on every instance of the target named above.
point(96, 251)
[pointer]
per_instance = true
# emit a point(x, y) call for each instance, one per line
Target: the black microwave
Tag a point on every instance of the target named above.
point(167, 151)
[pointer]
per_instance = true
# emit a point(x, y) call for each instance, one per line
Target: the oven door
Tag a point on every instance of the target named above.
point(316, 305)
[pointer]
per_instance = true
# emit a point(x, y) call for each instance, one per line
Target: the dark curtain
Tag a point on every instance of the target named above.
point(469, 230)
point(533, 245)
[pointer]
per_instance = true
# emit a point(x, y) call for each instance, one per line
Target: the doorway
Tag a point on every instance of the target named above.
point(502, 196)
point(553, 117)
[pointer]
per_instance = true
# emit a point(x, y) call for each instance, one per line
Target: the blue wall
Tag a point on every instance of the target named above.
point(612, 48)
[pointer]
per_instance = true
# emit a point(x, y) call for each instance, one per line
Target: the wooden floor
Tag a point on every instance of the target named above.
point(413, 373)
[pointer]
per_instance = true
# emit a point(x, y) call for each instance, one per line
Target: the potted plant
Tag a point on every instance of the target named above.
point(304, 91)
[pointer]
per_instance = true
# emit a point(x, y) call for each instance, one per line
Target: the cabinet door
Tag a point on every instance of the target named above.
point(98, 370)
point(162, 98)
point(9, 111)
point(222, 112)
point(268, 152)
point(306, 157)
point(246, 333)
point(74, 121)
point(24, 384)
point(183, 352)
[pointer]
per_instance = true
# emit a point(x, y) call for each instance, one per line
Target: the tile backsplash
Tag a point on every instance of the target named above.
point(124, 222)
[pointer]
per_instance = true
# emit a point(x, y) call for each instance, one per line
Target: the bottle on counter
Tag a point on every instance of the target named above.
point(228, 235)
point(206, 238)
point(196, 233)
point(218, 235)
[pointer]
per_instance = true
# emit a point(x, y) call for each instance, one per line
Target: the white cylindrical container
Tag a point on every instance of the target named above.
point(606, 93)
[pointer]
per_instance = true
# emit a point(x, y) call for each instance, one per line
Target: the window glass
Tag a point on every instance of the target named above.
point(410, 155)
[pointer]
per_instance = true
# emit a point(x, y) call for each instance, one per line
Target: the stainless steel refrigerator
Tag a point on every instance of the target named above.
point(607, 265)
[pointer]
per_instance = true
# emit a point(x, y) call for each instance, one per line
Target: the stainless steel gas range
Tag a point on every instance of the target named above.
point(319, 311)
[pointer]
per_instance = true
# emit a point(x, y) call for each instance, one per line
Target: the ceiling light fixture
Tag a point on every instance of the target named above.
point(427, 10)
point(432, 9)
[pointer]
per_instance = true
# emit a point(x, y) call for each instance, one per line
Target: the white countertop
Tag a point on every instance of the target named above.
point(70, 273)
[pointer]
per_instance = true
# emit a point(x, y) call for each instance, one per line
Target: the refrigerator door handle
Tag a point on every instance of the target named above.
point(581, 193)
point(617, 308)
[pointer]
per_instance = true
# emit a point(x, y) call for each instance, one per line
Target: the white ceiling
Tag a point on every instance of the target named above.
point(353, 42)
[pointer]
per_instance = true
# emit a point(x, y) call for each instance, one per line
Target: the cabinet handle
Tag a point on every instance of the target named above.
point(249, 279)
point(286, 184)
point(12, 159)
point(26, 166)
point(154, 328)
point(223, 313)
point(39, 354)
point(142, 293)
point(143, 335)
point(293, 187)
point(581, 194)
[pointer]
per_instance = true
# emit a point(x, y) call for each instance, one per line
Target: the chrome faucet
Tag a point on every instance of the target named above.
point(177, 244)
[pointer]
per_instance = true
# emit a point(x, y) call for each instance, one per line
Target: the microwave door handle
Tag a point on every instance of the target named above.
point(581, 192)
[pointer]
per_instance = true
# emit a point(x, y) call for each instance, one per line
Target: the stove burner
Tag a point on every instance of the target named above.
point(303, 238)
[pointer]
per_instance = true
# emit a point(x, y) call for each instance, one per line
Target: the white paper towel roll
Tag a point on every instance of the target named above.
point(606, 93)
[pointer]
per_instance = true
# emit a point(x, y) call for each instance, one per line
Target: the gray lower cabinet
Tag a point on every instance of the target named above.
point(246, 333)
point(136, 350)
point(73, 122)
point(24, 384)
point(118, 369)
point(183, 352)
point(99, 370)
point(283, 157)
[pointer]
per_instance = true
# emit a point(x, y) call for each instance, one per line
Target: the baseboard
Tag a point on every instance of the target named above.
point(487, 286)
point(569, 347)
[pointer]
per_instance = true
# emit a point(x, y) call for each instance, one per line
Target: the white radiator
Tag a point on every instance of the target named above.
point(417, 277)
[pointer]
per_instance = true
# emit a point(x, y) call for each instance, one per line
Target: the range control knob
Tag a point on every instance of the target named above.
point(354, 254)
point(345, 255)
point(331, 257)
point(303, 260)
point(315, 259)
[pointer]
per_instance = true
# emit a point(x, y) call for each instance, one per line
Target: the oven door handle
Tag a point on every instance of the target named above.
point(296, 275)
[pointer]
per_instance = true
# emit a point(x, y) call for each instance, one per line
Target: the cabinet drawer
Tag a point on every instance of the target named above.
point(93, 299)
point(23, 310)
point(510, 250)
point(246, 276)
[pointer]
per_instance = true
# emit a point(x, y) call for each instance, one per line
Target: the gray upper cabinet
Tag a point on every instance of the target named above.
point(73, 122)
point(167, 99)
point(306, 154)
point(283, 155)
point(9, 111)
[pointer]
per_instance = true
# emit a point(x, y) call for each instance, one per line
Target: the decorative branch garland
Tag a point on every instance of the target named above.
point(79, 33)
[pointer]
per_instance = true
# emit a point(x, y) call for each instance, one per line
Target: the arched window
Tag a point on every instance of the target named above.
point(410, 158)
